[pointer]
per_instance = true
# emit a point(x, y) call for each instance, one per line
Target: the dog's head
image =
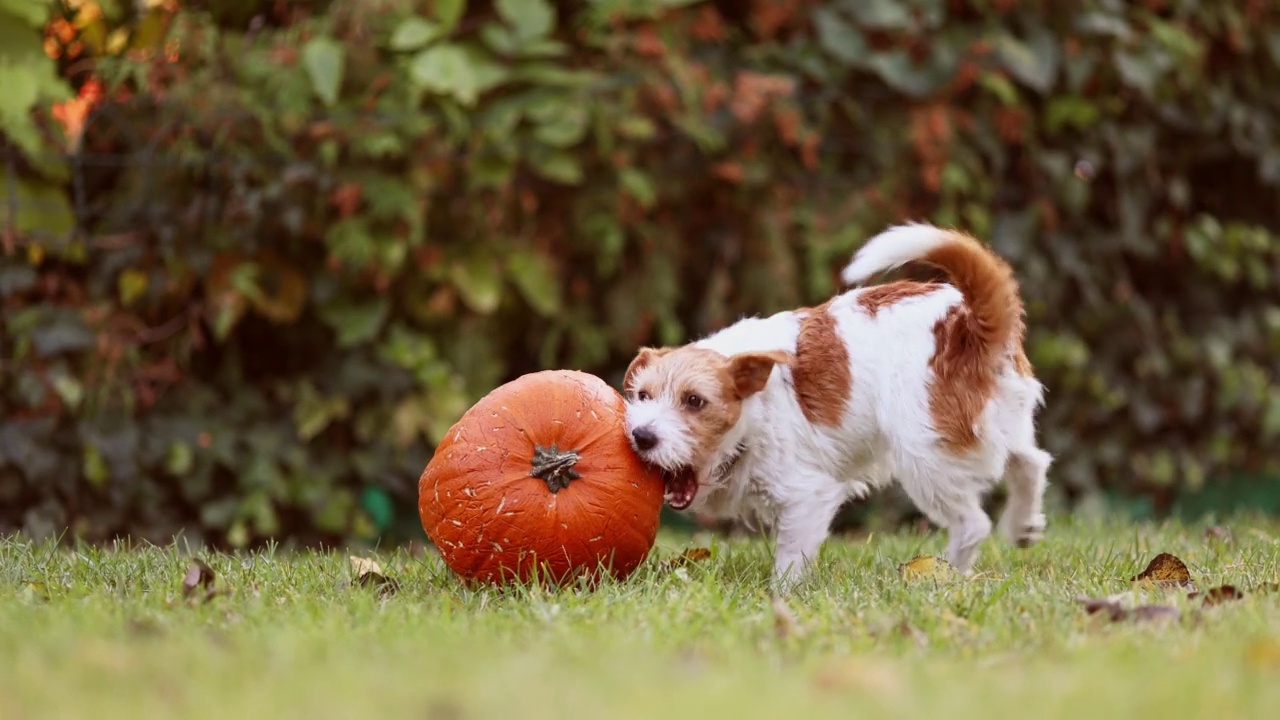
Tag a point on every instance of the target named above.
point(682, 402)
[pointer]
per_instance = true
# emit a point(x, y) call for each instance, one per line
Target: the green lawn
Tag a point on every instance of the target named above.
point(103, 634)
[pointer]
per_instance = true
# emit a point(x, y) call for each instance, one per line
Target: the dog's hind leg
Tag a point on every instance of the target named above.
point(1022, 521)
point(954, 503)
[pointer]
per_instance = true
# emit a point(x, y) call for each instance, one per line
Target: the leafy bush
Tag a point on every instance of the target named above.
point(270, 251)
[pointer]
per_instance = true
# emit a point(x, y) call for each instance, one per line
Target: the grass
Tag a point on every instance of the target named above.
point(107, 633)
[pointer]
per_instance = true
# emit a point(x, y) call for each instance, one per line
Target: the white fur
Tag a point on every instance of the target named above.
point(794, 475)
point(892, 248)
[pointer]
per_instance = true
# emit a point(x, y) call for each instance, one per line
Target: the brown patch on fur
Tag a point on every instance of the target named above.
point(821, 373)
point(973, 340)
point(642, 359)
point(986, 281)
point(962, 380)
point(750, 371)
point(877, 296)
point(1021, 364)
point(723, 383)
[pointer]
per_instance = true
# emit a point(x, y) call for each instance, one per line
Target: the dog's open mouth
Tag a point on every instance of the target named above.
point(682, 486)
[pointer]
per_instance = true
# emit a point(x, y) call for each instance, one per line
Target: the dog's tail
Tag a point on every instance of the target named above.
point(984, 279)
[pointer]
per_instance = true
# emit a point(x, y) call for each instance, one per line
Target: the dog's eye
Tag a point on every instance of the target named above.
point(642, 395)
point(695, 402)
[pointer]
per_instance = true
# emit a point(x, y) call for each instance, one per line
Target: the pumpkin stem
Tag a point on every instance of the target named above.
point(554, 466)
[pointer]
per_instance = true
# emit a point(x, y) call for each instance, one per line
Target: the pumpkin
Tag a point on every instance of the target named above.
point(538, 480)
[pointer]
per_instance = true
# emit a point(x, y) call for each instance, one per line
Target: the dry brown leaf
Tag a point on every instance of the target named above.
point(1218, 595)
point(1115, 612)
point(1155, 613)
point(784, 622)
point(1108, 606)
point(363, 566)
point(1263, 653)
point(199, 577)
point(1166, 570)
point(35, 591)
point(1217, 533)
point(911, 631)
point(688, 557)
point(926, 567)
point(856, 674)
point(369, 574)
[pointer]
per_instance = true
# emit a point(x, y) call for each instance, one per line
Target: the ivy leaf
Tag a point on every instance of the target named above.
point(463, 72)
point(638, 186)
point(131, 285)
point(61, 331)
point(839, 38)
point(448, 13)
point(29, 77)
point(31, 12)
point(881, 14)
point(94, 467)
point(901, 73)
point(561, 167)
point(479, 283)
point(277, 290)
point(43, 209)
point(414, 33)
point(537, 280)
point(529, 18)
point(355, 323)
point(1034, 63)
point(314, 412)
point(566, 128)
point(323, 58)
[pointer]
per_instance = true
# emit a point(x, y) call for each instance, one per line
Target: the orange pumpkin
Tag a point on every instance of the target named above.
point(537, 479)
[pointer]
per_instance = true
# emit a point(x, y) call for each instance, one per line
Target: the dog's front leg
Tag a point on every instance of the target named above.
point(802, 526)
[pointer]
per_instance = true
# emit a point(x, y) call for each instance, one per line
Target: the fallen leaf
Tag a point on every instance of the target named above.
point(1110, 607)
point(1115, 612)
point(143, 627)
point(1217, 533)
point(1166, 570)
point(1263, 653)
point(857, 674)
point(911, 631)
point(688, 557)
point(926, 566)
point(369, 574)
point(35, 591)
point(362, 566)
point(199, 577)
point(1218, 595)
point(784, 622)
point(1156, 613)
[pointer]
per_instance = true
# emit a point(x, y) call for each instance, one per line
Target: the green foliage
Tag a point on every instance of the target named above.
point(341, 223)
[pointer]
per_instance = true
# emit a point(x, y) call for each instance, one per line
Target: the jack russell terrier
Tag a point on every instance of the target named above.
point(780, 420)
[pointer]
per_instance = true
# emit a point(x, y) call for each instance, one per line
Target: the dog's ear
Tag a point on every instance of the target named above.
point(643, 358)
point(750, 371)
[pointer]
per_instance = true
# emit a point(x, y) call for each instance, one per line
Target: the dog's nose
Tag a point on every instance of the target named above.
point(644, 437)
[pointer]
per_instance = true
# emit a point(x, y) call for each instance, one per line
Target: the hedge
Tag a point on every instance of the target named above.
point(259, 255)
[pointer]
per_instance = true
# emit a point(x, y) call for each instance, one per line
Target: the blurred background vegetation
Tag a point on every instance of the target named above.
point(256, 256)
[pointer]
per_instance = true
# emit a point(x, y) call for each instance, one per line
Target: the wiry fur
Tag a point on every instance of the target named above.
point(926, 384)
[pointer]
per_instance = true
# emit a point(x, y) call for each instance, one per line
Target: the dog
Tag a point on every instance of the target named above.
point(779, 420)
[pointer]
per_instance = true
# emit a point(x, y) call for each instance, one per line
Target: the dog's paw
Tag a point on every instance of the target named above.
point(1024, 534)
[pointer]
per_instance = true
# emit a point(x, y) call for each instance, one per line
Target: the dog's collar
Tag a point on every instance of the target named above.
point(726, 466)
